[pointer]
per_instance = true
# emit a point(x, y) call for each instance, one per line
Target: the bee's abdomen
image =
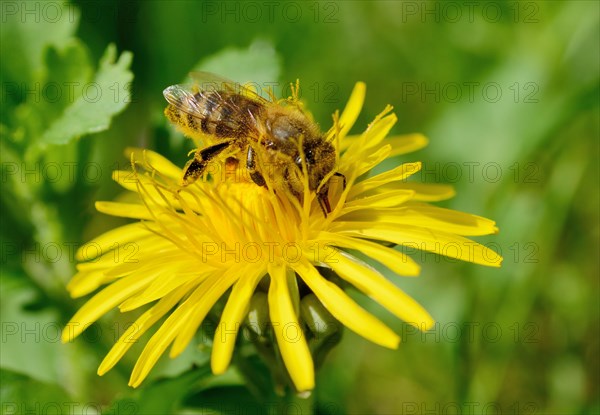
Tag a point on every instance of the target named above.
point(221, 114)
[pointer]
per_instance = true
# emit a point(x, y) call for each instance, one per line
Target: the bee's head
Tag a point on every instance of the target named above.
point(319, 157)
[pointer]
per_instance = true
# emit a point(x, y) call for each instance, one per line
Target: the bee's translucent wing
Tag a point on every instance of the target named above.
point(183, 98)
point(207, 81)
point(218, 104)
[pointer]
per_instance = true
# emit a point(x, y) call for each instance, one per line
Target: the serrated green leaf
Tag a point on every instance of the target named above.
point(100, 100)
point(68, 70)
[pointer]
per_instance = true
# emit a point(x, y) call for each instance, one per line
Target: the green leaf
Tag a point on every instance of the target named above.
point(67, 71)
point(259, 63)
point(30, 340)
point(21, 394)
point(193, 356)
point(225, 400)
point(165, 397)
point(103, 98)
point(26, 30)
point(125, 406)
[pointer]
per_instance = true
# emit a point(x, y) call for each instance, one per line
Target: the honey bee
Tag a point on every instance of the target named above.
point(275, 138)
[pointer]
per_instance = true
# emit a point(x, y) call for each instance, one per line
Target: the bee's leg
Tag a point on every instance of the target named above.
point(323, 199)
point(338, 174)
point(255, 175)
point(322, 195)
point(194, 168)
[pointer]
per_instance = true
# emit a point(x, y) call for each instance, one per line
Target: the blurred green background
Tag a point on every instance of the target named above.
point(508, 94)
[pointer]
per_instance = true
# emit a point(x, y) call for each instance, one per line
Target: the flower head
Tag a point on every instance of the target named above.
point(195, 244)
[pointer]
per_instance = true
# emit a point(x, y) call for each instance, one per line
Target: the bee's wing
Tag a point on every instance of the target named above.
point(209, 93)
point(183, 98)
point(207, 81)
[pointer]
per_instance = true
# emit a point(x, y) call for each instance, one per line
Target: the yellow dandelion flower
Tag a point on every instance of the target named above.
point(194, 244)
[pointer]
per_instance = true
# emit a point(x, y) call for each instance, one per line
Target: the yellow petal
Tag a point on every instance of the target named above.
point(167, 281)
point(343, 308)
point(124, 210)
point(408, 143)
point(396, 261)
point(365, 164)
point(147, 258)
point(401, 144)
point(424, 192)
point(85, 282)
point(156, 161)
point(146, 186)
point(102, 302)
point(128, 179)
point(415, 238)
point(396, 174)
point(288, 332)
point(231, 320)
point(371, 138)
point(348, 141)
point(214, 287)
point(140, 326)
point(381, 200)
point(163, 337)
point(353, 108)
point(111, 240)
point(139, 261)
point(376, 286)
point(430, 217)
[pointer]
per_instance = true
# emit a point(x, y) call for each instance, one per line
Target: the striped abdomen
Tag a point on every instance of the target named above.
point(218, 113)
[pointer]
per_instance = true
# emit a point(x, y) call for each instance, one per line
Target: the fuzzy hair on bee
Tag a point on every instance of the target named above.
point(280, 145)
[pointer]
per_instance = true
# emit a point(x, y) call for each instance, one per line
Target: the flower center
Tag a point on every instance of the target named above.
point(243, 220)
